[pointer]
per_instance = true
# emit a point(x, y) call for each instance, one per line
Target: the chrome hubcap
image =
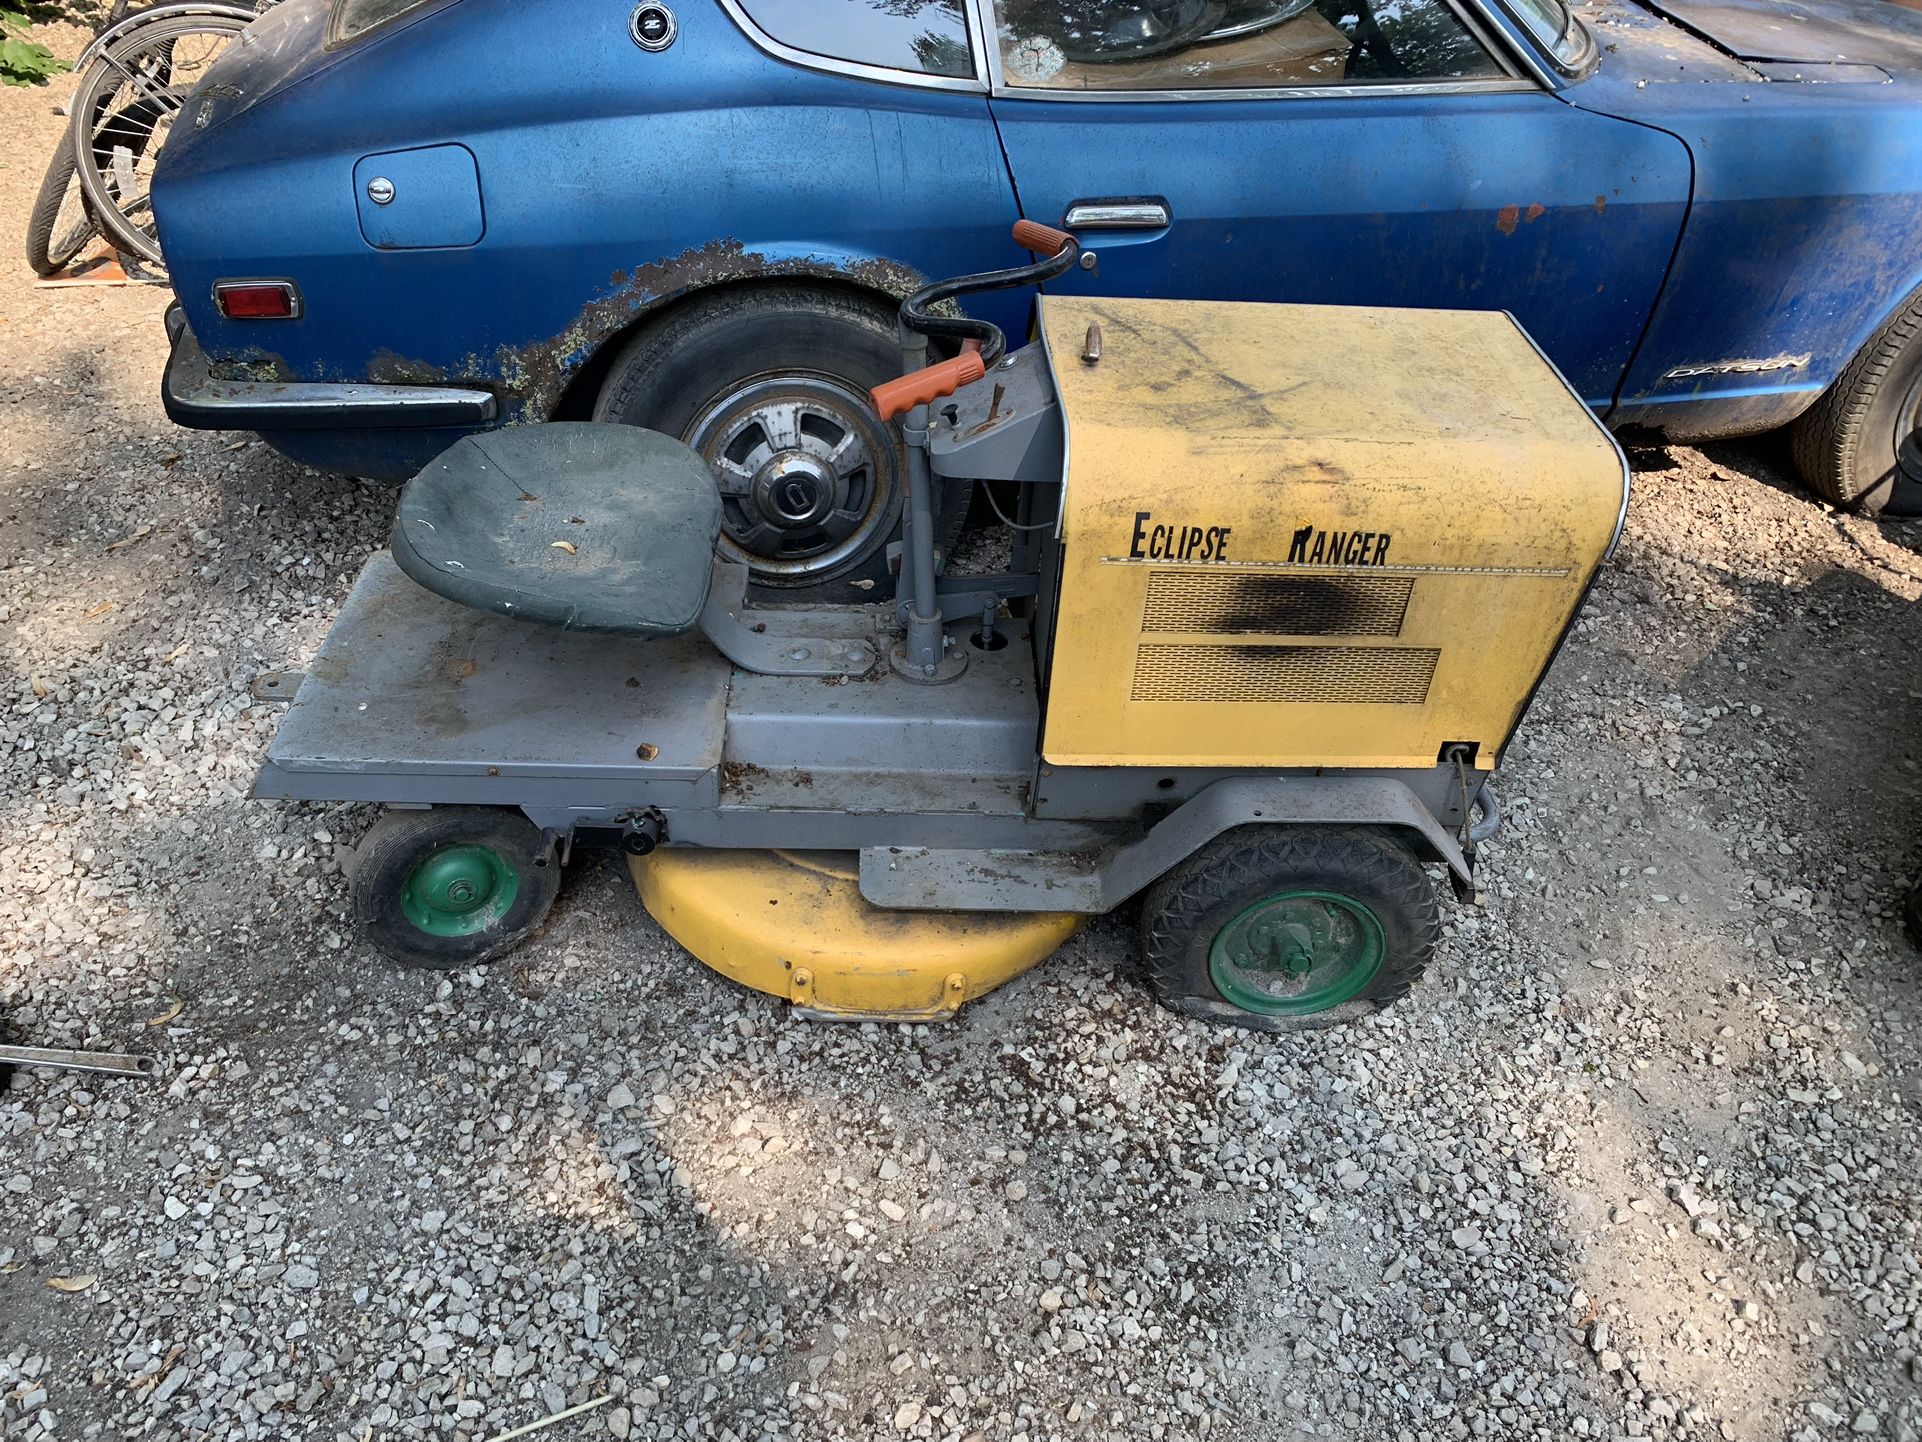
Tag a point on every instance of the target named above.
point(806, 474)
point(795, 489)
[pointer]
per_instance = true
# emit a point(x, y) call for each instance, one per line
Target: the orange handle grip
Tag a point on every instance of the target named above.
point(1039, 238)
point(896, 397)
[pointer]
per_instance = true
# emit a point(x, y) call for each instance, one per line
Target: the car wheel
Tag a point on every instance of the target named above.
point(1860, 445)
point(770, 385)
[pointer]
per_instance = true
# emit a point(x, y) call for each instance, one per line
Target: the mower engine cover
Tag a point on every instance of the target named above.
point(1313, 536)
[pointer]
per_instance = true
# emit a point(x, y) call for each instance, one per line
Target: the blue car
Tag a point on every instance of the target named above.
point(393, 222)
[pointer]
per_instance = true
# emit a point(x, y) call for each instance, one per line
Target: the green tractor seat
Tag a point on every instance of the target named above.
point(586, 527)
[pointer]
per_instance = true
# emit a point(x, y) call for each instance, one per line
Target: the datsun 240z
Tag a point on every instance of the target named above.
point(393, 222)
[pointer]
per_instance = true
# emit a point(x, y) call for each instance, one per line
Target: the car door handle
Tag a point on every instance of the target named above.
point(1131, 214)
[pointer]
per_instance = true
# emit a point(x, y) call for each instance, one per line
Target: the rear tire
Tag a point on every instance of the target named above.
point(1860, 445)
point(1912, 914)
point(769, 383)
point(452, 887)
point(1286, 927)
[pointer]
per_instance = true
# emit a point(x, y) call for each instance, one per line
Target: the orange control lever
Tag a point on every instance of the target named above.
point(1039, 238)
point(897, 397)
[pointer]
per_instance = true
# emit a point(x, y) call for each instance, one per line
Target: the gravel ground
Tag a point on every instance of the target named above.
point(1639, 1158)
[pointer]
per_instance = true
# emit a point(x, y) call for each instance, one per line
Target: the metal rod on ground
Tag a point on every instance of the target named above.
point(106, 1063)
point(560, 1416)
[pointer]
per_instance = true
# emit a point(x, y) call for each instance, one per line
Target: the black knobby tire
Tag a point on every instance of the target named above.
point(1857, 446)
point(402, 844)
point(1912, 914)
point(708, 367)
point(60, 224)
point(1198, 901)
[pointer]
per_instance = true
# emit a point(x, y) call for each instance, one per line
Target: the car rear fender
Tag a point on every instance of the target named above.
point(1745, 347)
point(612, 183)
point(567, 369)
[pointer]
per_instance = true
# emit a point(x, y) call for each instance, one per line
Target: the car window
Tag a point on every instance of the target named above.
point(1555, 26)
point(927, 36)
point(351, 19)
point(1233, 44)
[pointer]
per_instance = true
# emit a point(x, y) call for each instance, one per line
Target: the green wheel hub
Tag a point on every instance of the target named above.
point(1297, 952)
point(460, 890)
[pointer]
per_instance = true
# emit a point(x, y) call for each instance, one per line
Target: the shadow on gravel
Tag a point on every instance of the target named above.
point(1839, 744)
point(1905, 533)
point(158, 469)
point(1764, 459)
point(1786, 739)
point(329, 1130)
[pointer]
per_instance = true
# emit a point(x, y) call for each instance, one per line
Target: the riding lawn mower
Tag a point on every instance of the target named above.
point(1282, 582)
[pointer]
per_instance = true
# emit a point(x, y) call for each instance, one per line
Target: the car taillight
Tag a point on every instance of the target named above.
point(257, 299)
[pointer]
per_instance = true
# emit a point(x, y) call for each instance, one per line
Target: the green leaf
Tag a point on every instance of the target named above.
point(22, 62)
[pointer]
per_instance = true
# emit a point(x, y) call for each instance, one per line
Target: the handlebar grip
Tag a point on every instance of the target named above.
point(896, 397)
point(1039, 238)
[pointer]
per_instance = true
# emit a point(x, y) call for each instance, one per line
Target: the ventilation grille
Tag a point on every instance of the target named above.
point(1322, 675)
point(1225, 604)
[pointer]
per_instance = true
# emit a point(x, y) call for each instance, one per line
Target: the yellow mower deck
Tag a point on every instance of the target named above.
point(794, 925)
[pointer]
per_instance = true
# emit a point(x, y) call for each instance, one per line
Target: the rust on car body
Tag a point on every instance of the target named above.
point(534, 376)
point(530, 378)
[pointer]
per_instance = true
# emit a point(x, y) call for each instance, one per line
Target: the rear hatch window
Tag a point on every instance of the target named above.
point(352, 19)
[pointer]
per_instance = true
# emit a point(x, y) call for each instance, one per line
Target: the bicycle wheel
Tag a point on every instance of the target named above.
point(125, 107)
point(59, 224)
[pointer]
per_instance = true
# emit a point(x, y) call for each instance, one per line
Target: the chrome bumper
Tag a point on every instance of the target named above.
point(196, 399)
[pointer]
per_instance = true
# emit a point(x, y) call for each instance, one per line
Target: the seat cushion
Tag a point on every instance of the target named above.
point(582, 526)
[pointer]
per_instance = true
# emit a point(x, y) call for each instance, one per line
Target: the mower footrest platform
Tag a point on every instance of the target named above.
point(416, 699)
point(932, 878)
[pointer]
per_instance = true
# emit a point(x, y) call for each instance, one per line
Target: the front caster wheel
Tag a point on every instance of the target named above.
point(1284, 927)
point(454, 886)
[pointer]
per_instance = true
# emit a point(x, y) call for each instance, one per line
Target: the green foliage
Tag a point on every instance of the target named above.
point(22, 62)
